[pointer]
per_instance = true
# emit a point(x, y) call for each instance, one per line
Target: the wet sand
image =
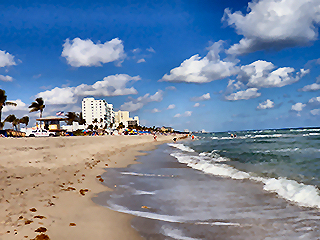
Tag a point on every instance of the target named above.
point(46, 186)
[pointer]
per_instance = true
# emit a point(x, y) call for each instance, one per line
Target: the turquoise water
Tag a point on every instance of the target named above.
point(259, 185)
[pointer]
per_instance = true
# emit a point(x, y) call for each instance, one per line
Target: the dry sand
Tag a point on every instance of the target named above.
point(46, 186)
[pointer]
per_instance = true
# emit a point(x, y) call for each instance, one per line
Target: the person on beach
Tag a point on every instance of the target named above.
point(192, 137)
point(174, 139)
point(155, 137)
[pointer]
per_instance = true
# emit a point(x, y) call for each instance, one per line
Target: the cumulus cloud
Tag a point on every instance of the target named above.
point(185, 114)
point(196, 105)
point(113, 85)
point(85, 53)
point(141, 60)
point(171, 106)
point(261, 74)
point(266, 104)
point(20, 106)
point(6, 59)
point(298, 107)
point(314, 100)
point(136, 104)
point(315, 111)
point(204, 97)
point(203, 70)
point(150, 49)
point(155, 110)
point(274, 24)
point(6, 78)
point(309, 88)
point(243, 95)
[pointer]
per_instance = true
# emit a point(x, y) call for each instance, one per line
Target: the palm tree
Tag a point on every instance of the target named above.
point(38, 105)
point(12, 119)
point(71, 117)
point(81, 120)
point(3, 102)
point(24, 120)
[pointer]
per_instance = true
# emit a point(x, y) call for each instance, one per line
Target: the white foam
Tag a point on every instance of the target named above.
point(140, 192)
point(145, 174)
point(218, 223)
point(304, 195)
point(299, 193)
point(222, 170)
point(181, 147)
point(150, 215)
point(175, 233)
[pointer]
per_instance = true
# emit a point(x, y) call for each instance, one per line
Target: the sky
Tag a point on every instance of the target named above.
point(212, 65)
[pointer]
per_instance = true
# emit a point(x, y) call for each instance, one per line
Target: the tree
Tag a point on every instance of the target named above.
point(71, 117)
point(38, 105)
point(3, 102)
point(81, 120)
point(120, 126)
point(12, 119)
point(24, 120)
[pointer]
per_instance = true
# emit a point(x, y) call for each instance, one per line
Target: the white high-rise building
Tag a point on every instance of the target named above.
point(97, 109)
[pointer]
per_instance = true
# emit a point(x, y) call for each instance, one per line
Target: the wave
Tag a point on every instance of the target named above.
point(181, 147)
point(299, 193)
point(145, 174)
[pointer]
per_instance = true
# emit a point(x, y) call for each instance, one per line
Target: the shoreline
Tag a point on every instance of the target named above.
point(47, 186)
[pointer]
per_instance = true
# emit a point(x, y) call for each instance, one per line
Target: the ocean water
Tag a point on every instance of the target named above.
point(259, 185)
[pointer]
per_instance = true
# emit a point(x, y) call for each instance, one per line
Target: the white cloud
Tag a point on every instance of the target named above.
point(311, 87)
point(85, 53)
point(36, 76)
point(196, 105)
point(6, 59)
point(20, 106)
point(202, 70)
point(141, 60)
point(171, 88)
point(171, 106)
point(266, 104)
point(114, 85)
point(298, 107)
point(155, 110)
point(259, 74)
point(315, 111)
point(136, 104)
point(150, 49)
point(274, 24)
point(6, 78)
point(243, 95)
point(315, 100)
point(204, 97)
point(185, 114)
point(131, 106)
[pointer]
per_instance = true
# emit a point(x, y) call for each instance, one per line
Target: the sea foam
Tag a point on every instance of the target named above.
point(299, 193)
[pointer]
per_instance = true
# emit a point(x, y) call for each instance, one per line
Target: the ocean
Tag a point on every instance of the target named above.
point(258, 185)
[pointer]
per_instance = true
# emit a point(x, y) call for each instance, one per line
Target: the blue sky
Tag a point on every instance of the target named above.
point(194, 65)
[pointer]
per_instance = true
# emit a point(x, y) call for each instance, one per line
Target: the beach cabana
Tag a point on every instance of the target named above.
point(52, 123)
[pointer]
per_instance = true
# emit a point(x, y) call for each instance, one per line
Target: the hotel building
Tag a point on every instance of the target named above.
point(97, 109)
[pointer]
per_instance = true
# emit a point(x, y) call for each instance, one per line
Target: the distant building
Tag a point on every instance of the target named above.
point(124, 118)
point(97, 109)
point(167, 129)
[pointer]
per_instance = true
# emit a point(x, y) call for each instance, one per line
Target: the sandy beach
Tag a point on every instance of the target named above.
point(46, 186)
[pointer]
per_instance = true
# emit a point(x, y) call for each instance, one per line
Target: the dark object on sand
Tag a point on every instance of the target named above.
point(33, 209)
point(174, 139)
point(41, 237)
point(83, 191)
point(41, 229)
point(72, 224)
